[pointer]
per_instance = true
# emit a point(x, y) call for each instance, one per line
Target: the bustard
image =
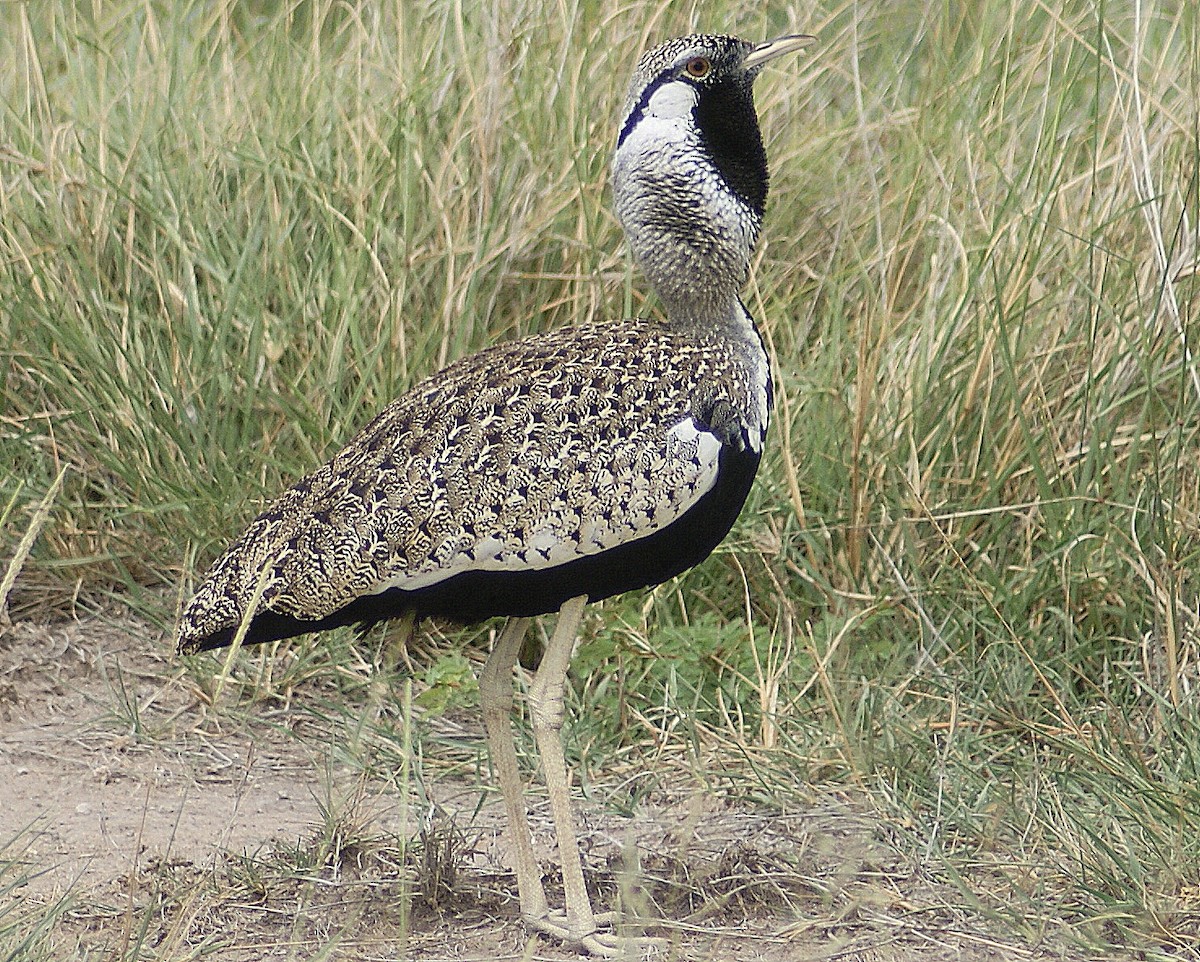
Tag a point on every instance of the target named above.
point(563, 468)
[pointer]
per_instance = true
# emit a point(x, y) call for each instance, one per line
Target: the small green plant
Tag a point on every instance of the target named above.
point(26, 924)
point(449, 682)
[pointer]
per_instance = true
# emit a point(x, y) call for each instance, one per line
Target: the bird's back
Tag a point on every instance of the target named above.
point(589, 460)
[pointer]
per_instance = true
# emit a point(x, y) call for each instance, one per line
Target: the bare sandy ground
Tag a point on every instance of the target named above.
point(151, 828)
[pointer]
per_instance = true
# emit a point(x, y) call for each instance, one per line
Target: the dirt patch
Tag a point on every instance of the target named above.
point(88, 797)
point(149, 835)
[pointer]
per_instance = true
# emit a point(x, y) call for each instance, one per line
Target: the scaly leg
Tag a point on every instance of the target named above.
point(546, 715)
point(496, 699)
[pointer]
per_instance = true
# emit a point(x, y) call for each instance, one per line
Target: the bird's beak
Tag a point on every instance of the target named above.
point(776, 48)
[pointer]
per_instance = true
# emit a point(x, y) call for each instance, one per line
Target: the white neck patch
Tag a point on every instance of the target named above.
point(673, 100)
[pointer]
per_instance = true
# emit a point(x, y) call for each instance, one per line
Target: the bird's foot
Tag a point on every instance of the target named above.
point(605, 945)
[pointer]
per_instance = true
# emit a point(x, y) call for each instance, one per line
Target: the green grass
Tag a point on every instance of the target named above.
point(229, 232)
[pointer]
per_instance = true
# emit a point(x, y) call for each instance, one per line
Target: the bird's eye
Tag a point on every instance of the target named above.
point(698, 67)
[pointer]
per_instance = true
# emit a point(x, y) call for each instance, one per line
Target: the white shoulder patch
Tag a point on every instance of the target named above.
point(688, 440)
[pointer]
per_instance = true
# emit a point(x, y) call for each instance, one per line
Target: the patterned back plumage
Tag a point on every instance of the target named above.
point(521, 471)
point(526, 455)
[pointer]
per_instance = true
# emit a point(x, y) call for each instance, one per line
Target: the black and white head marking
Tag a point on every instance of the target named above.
point(690, 173)
point(701, 82)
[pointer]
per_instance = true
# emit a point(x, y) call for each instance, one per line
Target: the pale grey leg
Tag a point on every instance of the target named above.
point(578, 924)
point(546, 715)
point(496, 699)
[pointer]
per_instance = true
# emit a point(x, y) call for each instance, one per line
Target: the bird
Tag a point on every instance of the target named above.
point(553, 471)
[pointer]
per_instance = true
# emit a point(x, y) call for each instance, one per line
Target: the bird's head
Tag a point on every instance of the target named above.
point(690, 172)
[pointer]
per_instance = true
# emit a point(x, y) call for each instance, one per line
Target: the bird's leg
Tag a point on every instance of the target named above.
point(546, 717)
point(496, 700)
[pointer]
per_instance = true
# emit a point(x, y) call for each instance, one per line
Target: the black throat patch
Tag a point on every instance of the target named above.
point(729, 131)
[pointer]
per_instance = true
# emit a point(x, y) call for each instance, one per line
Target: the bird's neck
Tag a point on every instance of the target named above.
point(694, 252)
point(698, 290)
point(691, 212)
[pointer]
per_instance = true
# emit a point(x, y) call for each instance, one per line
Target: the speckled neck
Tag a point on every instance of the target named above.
point(690, 181)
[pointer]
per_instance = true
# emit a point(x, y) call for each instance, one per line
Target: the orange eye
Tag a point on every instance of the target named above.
point(698, 67)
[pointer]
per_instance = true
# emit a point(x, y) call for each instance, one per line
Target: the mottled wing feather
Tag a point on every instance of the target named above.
point(524, 456)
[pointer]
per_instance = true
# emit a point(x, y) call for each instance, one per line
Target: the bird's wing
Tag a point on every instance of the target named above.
point(526, 456)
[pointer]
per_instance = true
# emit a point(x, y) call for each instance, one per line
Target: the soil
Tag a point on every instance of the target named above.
point(147, 826)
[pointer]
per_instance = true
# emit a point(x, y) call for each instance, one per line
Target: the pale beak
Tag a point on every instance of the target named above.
point(776, 48)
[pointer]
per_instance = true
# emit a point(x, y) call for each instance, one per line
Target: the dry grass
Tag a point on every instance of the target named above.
point(964, 586)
